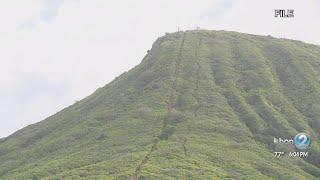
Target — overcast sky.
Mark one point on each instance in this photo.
(55, 52)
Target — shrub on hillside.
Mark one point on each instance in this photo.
(174, 117)
(145, 78)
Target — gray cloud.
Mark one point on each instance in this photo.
(29, 98)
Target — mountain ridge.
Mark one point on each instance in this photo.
(202, 104)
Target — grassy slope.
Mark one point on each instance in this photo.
(202, 104)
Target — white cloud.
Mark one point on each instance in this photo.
(75, 46)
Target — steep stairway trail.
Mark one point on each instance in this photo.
(198, 71)
(169, 107)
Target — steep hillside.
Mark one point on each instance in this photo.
(201, 105)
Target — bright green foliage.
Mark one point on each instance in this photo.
(201, 105)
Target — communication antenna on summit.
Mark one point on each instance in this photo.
(178, 28)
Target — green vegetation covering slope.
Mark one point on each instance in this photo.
(201, 105)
